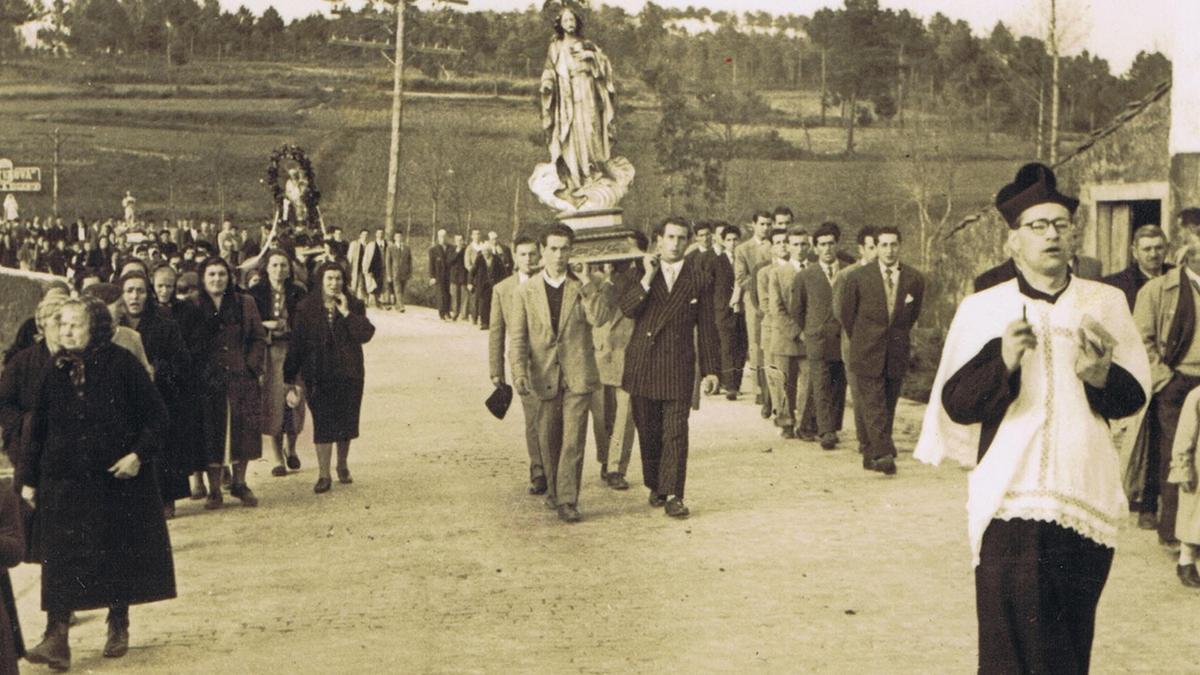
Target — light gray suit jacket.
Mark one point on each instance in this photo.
(553, 363)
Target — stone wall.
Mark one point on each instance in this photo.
(20, 293)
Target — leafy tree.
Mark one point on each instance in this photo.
(1147, 72)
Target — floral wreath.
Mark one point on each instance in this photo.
(311, 196)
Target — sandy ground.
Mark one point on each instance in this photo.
(436, 560)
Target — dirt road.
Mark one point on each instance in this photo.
(435, 560)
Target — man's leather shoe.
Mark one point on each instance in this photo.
(676, 508)
(323, 485)
(568, 513)
(829, 440)
(293, 462)
(731, 396)
(279, 471)
(118, 640)
(786, 432)
(537, 486)
(884, 465)
(1169, 542)
(54, 650)
(657, 501)
(1188, 575)
(617, 482)
(1147, 521)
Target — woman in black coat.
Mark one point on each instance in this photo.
(232, 343)
(326, 349)
(168, 359)
(97, 421)
(12, 550)
(277, 296)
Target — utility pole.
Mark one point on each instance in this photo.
(397, 61)
(397, 113)
(57, 138)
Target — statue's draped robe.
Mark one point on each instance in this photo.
(578, 110)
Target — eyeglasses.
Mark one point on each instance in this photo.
(1040, 225)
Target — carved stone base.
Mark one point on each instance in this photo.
(600, 236)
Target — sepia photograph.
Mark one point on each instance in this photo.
(599, 336)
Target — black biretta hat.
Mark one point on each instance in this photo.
(1034, 184)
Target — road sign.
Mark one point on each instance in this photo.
(19, 178)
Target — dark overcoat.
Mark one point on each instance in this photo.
(329, 355)
(104, 540)
(12, 549)
(233, 346)
(168, 355)
(18, 394)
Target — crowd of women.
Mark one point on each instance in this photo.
(116, 393)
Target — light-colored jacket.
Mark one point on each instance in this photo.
(1153, 313)
(786, 333)
(764, 305)
(611, 339)
(746, 259)
(552, 363)
(504, 302)
(1183, 466)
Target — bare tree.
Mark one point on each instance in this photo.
(928, 178)
(1065, 26)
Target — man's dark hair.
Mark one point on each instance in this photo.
(523, 239)
(641, 240)
(783, 211)
(888, 229)
(777, 231)
(703, 225)
(557, 230)
(727, 228)
(661, 226)
(761, 214)
(864, 232)
(826, 229)
(1189, 217)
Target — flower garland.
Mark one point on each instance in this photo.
(311, 197)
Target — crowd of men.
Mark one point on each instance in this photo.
(775, 298)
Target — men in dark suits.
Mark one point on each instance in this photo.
(439, 272)
(399, 269)
(502, 251)
(488, 272)
(673, 314)
(505, 297)
(731, 323)
(470, 255)
(701, 250)
(879, 305)
(822, 334)
(553, 357)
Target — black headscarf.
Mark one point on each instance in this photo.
(100, 334)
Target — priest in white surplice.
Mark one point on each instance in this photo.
(1031, 373)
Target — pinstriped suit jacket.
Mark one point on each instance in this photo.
(660, 361)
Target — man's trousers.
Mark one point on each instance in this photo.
(562, 434)
(662, 428)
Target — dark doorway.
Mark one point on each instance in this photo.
(1147, 212)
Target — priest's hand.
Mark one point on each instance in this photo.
(1017, 339)
(1093, 361)
(126, 467)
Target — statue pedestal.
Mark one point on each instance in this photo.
(600, 236)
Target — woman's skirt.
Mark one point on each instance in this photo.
(278, 418)
(335, 408)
